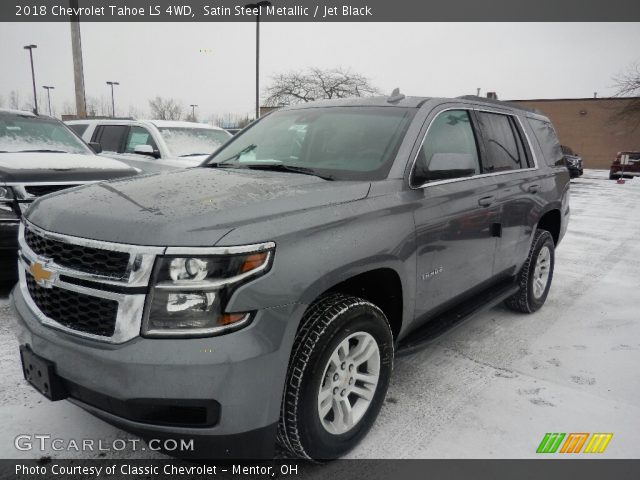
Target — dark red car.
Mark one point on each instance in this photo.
(631, 169)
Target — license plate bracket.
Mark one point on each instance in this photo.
(41, 374)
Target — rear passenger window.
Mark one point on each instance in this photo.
(110, 137)
(503, 146)
(548, 141)
(449, 150)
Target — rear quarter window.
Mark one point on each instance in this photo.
(79, 128)
(548, 140)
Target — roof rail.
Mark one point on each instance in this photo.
(499, 102)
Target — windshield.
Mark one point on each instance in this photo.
(20, 133)
(344, 143)
(183, 142)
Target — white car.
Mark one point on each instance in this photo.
(152, 145)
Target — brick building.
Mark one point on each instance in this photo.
(588, 126)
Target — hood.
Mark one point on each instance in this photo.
(194, 207)
(32, 167)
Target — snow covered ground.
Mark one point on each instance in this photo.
(490, 389)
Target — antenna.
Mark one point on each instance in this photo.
(396, 96)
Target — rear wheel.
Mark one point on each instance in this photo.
(536, 275)
(337, 379)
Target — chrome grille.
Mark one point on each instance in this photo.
(74, 310)
(95, 261)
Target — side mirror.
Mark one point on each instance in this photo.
(95, 146)
(449, 165)
(146, 150)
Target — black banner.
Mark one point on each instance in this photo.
(547, 469)
(319, 11)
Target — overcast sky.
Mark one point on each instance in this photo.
(517, 60)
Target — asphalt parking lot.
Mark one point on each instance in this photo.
(489, 389)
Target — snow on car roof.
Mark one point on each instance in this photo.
(179, 124)
(23, 113)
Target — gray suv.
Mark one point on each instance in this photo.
(263, 296)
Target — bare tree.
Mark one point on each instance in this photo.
(628, 85)
(14, 99)
(314, 84)
(1, 101)
(165, 109)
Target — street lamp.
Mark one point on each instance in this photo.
(33, 76)
(253, 6)
(113, 103)
(193, 112)
(48, 89)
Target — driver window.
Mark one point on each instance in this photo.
(449, 150)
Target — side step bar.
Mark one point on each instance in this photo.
(455, 317)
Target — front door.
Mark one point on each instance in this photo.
(456, 220)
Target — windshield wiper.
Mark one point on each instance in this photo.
(247, 149)
(281, 167)
(45, 150)
(193, 154)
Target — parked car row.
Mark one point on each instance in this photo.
(38, 156)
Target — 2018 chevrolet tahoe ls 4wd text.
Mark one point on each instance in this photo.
(263, 296)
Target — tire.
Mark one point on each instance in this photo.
(531, 296)
(331, 322)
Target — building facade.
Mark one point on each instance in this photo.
(591, 127)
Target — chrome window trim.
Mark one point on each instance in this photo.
(481, 175)
(128, 317)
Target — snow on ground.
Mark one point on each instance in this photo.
(489, 389)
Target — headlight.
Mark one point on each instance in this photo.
(189, 293)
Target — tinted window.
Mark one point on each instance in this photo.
(504, 150)
(138, 136)
(79, 128)
(110, 137)
(548, 141)
(345, 143)
(449, 150)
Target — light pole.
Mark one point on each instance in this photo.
(48, 89)
(33, 77)
(113, 103)
(253, 6)
(193, 112)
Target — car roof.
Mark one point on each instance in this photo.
(415, 102)
(22, 113)
(156, 123)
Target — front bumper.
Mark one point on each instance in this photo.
(243, 372)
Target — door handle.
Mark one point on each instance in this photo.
(533, 188)
(486, 201)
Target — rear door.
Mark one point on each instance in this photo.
(508, 159)
(456, 217)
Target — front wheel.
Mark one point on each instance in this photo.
(535, 276)
(337, 379)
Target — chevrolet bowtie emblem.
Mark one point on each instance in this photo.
(41, 275)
